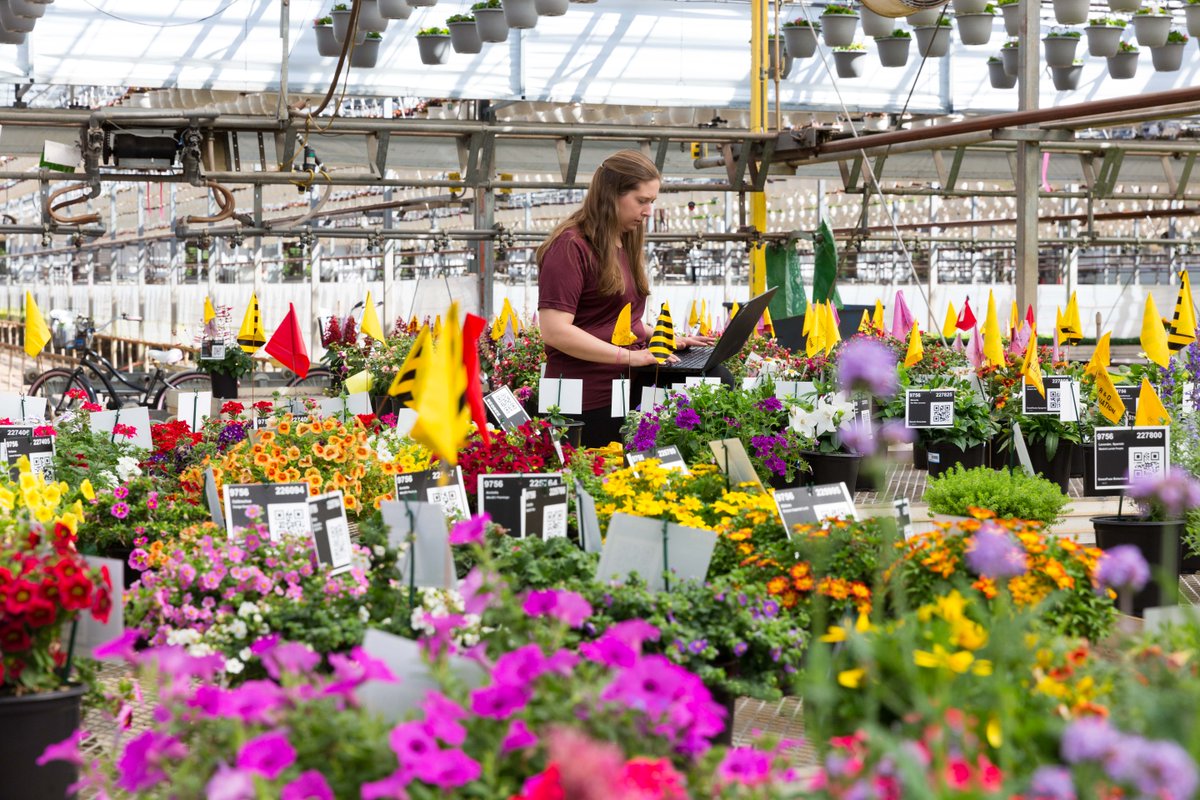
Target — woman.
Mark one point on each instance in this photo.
(590, 267)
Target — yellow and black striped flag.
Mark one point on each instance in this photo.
(662, 341)
(251, 336)
(1183, 325)
(406, 378)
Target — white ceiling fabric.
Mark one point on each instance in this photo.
(644, 52)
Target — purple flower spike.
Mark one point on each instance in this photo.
(1123, 567)
(994, 554)
(865, 364)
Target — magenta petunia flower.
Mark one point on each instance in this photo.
(228, 783)
(470, 531)
(121, 493)
(141, 764)
(518, 737)
(744, 766)
(499, 702)
(268, 755)
(561, 604)
(309, 785)
(120, 510)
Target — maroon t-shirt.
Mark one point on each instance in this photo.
(567, 282)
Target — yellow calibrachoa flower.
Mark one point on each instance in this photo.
(851, 678)
(941, 658)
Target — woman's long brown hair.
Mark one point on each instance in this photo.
(596, 220)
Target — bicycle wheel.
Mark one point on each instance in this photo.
(53, 384)
(317, 378)
(194, 381)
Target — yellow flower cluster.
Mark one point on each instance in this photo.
(965, 637)
(695, 500)
(41, 499)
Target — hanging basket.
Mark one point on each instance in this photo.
(1066, 79)
(464, 37)
(998, 77)
(876, 25)
(1122, 66)
(327, 46)
(1169, 57)
(1103, 40)
(801, 40)
(491, 24)
(849, 63)
(933, 41)
(902, 8)
(551, 8)
(395, 9)
(1012, 19)
(975, 29)
(432, 48)
(893, 50)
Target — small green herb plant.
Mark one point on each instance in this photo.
(1127, 47)
(834, 10)
(341, 7)
(484, 5)
(802, 23)
(434, 31)
(1107, 22)
(1177, 37)
(323, 21)
(1063, 33)
(460, 18)
(896, 34)
(1008, 493)
(374, 35)
(1156, 11)
(1011, 44)
(855, 47)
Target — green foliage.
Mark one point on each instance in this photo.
(899, 33)
(374, 35)
(1006, 492)
(802, 23)
(434, 31)
(236, 363)
(1177, 37)
(855, 47)
(1063, 33)
(1127, 47)
(486, 4)
(460, 18)
(341, 7)
(1156, 11)
(973, 419)
(1011, 44)
(835, 10)
(323, 21)
(1107, 22)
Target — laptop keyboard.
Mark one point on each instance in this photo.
(693, 357)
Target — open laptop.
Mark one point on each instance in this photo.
(700, 360)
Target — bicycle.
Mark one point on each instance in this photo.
(98, 378)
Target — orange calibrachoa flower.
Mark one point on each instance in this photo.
(315, 452)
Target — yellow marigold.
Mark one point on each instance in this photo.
(777, 585)
(740, 535)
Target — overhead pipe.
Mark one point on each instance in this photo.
(931, 134)
(83, 219)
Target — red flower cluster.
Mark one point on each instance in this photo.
(263, 407)
(77, 394)
(340, 332)
(92, 407)
(232, 407)
(121, 429)
(43, 585)
(528, 449)
(166, 436)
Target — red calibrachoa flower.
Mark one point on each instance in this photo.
(232, 407)
(527, 449)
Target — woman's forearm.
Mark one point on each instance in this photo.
(560, 332)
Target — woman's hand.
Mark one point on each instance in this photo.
(644, 358)
(685, 342)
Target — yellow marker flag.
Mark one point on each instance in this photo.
(1014, 319)
(37, 335)
(864, 324)
(993, 348)
(815, 343)
(1150, 410)
(370, 321)
(877, 318)
(359, 382)
(437, 326)
(251, 335)
(768, 326)
(210, 313)
(413, 324)
(1031, 368)
(705, 324)
(812, 316)
(1071, 331)
(1154, 335)
(693, 316)
(1110, 404)
(950, 325)
(406, 379)
(832, 334)
(1100, 359)
(443, 420)
(733, 312)
(662, 341)
(915, 351)
(623, 331)
(704, 312)
(1183, 324)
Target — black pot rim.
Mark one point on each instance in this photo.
(63, 693)
(1132, 521)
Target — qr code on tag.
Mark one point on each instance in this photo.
(288, 519)
(554, 522)
(508, 405)
(941, 413)
(1053, 399)
(43, 464)
(447, 497)
(1145, 462)
(339, 542)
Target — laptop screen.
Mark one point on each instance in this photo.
(740, 329)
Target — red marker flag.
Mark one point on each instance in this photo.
(287, 345)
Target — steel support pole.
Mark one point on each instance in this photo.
(1028, 161)
(758, 124)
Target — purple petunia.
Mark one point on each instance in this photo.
(1123, 567)
(866, 365)
(646, 435)
(267, 755)
(994, 554)
(745, 766)
(769, 404)
(687, 418)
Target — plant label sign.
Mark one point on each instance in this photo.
(1057, 392)
(282, 506)
(589, 522)
(331, 531)
(500, 495)
(134, 422)
(1129, 396)
(651, 547)
(420, 527)
(544, 512)
(564, 393)
(20, 440)
(808, 505)
(212, 350)
(345, 406)
(212, 498)
(22, 408)
(929, 408)
(734, 461)
(1124, 454)
(194, 408)
(668, 457)
(794, 390)
(506, 409)
(440, 485)
(903, 517)
(92, 633)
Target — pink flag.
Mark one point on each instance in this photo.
(958, 343)
(1020, 339)
(975, 349)
(902, 318)
(1055, 355)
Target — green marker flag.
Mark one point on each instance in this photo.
(825, 262)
